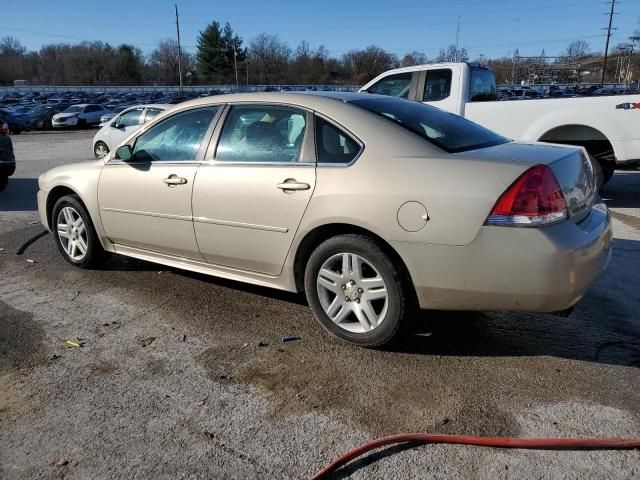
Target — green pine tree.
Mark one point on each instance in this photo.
(211, 58)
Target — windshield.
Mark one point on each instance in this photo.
(445, 130)
(482, 87)
(73, 109)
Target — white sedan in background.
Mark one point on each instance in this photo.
(121, 126)
(80, 115)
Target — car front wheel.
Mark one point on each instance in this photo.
(356, 291)
(74, 233)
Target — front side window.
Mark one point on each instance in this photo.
(393, 85)
(333, 145)
(482, 87)
(177, 138)
(262, 134)
(437, 85)
(151, 112)
(450, 132)
(91, 109)
(130, 118)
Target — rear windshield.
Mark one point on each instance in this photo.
(482, 86)
(446, 130)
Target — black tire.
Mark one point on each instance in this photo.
(95, 254)
(397, 284)
(4, 180)
(608, 169)
(82, 124)
(95, 148)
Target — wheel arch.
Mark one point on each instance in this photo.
(323, 232)
(591, 138)
(54, 195)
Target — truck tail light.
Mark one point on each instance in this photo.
(534, 199)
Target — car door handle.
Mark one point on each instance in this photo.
(173, 180)
(290, 184)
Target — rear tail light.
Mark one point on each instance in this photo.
(534, 199)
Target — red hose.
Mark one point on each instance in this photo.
(501, 442)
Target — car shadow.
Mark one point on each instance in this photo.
(19, 195)
(603, 328)
(623, 190)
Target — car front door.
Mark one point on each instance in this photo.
(145, 203)
(251, 192)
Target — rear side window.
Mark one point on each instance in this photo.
(151, 112)
(334, 145)
(262, 134)
(176, 138)
(437, 85)
(482, 87)
(393, 85)
(446, 130)
(130, 118)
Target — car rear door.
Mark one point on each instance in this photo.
(145, 203)
(252, 190)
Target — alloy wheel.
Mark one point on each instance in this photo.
(72, 233)
(352, 292)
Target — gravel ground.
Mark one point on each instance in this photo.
(185, 376)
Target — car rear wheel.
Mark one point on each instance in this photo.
(74, 233)
(100, 149)
(355, 290)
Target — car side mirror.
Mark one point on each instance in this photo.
(124, 153)
(117, 125)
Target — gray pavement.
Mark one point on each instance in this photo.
(171, 381)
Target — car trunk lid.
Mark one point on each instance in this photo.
(570, 165)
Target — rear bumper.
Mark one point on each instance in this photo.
(521, 269)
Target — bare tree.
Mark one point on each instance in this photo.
(269, 58)
(163, 63)
(576, 51)
(363, 65)
(453, 54)
(413, 58)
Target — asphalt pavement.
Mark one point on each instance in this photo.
(185, 376)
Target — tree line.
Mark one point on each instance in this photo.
(222, 58)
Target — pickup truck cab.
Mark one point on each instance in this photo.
(608, 127)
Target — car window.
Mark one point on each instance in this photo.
(393, 85)
(91, 109)
(151, 112)
(482, 87)
(437, 85)
(176, 138)
(131, 118)
(334, 145)
(262, 133)
(448, 131)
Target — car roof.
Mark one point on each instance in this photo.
(309, 100)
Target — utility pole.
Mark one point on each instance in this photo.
(235, 65)
(458, 40)
(606, 47)
(513, 70)
(179, 49)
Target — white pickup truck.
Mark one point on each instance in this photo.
(608, 127)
